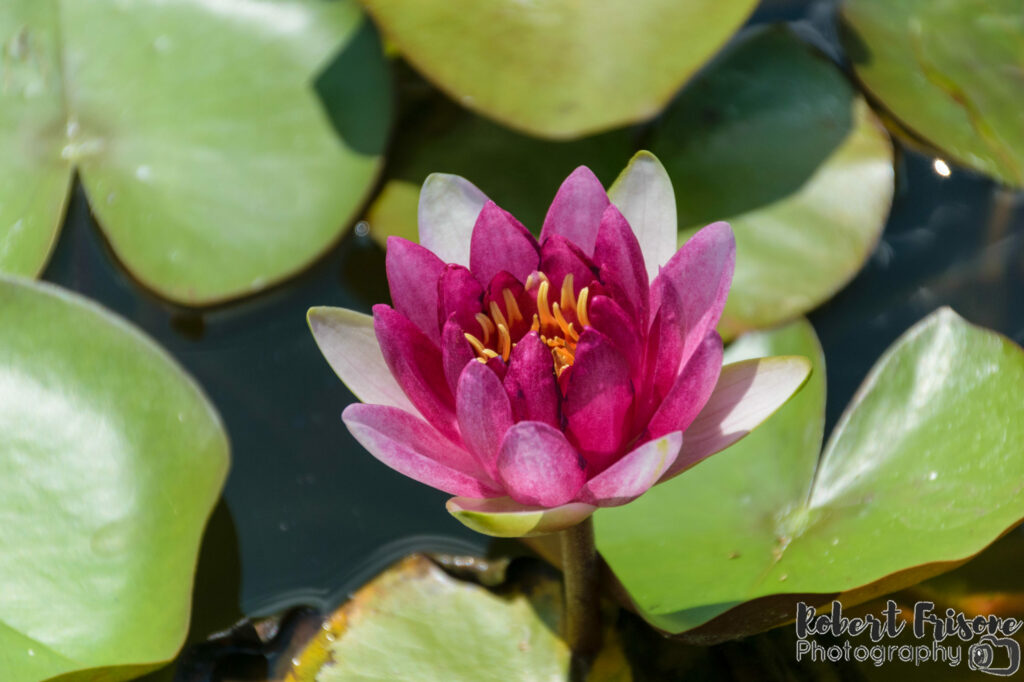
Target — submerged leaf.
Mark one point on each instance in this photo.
(434, 627)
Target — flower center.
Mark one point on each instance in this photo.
(557, 322)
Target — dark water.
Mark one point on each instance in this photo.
(307, 515)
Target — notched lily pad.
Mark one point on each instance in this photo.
(111, 460)
(560, 68)
(772, 138)
(950, 71)
(922, 472)
(415, 621)
(212, 175)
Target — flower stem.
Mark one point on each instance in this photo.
(582, 601)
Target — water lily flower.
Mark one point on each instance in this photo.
(538, 380)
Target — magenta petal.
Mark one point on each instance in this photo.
(664, 353)
(538, 466)
(415, 362)
(700, 273)
(455, 352)
(412, 447)
(621, 262)
(634, 474)
(500, 242)
(560, 257)
(496, 291)
(458, 293)
(598, 399)
(413, 274)
(576, 210)
(530, 382)
(607, 317)
(484, 413)
(691, 390)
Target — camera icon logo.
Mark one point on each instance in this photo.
(981, 655)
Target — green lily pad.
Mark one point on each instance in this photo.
(950, 70)
(772, 138)
(437, 628)
(561, 68)
(213, 174)
(520, 173)
(921, 473)
(111, 460)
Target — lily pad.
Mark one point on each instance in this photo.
(772, 138)
(212, 175)
(560, 68)
(520, 173)
(949, 70)
(434, 627)
(111, 460)
(921, 473)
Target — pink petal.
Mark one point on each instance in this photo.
(530, 382)
(700, 273)
(346, 338)
(412, 447)
(537, 465)
(598, 399)
(576, 210)
(617, 254)
(746, 394)
(607, 317)
(691, 390)
(664, 352)
(634, 474)
(643, 192)
(459, 294)
(559, 257)
(413, 274)
(496, 292)
(484, 413)
(506, 518)
(455, 352)
(415, 362)
(448, 209)
(500, 242)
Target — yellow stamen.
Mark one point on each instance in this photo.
(478, 346)
(531, 279)
(504, 342)
(563, 359)
(568, 302)
(536, 324)
(496, 315)
(511, 307)
(487, 326)
(572, 333)
(560, 318)
(488, 354)
(542, 305)
(581, 307)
